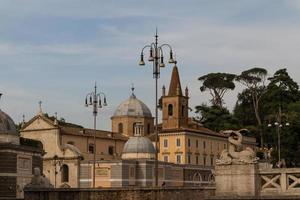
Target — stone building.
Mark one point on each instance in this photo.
(137, 168)
(18, 158)
(182, 139)
(67, 145)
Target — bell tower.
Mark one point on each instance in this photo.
(174, 105)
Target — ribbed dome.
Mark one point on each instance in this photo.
(138, 148)
(7, 125)
(133, 107)
(8, 130)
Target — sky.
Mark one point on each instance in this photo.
(55, 50)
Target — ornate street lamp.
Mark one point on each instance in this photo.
(95, 99)
(279, 125)
(157, 58)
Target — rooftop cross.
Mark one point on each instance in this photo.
(132, 88)
(40, 108)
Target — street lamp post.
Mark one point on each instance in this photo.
(94, 99)
(278, 123)
(157, 58)
(56, 160)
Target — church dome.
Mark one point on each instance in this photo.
(8, 130)
(138, 148)
(132, 107)
(7, 125)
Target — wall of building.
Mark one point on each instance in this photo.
(174, 193)
(141, 173)
(16, 168)
(102, 146)
(52, 166)
(208, 149)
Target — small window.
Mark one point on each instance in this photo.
(138, 129)
(111, 150)
(178, 159)
(165, 143)
(204, 145)
(132, 172)
(70, 142)
(197, 160)
(189, 142)
(148, 129)
(197, 144)
(166, 158)
(64, 173)
(225, 146)
(182, 111)
(178, 142)
(120, 128)
(189, 158)
(204, 160)
(91, 148)
(170, 110)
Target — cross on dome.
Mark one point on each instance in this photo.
(40, 108)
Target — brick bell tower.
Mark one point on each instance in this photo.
(175, 106)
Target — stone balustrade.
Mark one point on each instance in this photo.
(281, 181)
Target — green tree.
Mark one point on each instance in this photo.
(243, 109)
(254, 80)
(281, 91)
(217, 84)
(282, 104)
(217, 118)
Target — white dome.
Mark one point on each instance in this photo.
(132, 107)
(138, 147)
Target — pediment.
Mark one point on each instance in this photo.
(37, 123)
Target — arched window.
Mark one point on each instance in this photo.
(182, 111)
(64, 173)
(170, 110)
(138, 129)
(134, 128)
(120, 128)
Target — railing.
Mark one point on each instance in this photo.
(283, 181)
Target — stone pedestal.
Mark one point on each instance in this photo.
(237, 180)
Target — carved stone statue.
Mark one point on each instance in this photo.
(39, 181)
(234, 154)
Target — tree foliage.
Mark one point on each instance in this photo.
(217, 84)
(254, 80)
(217, 118)
(263, 101)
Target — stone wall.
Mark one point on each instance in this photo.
(170, 193)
